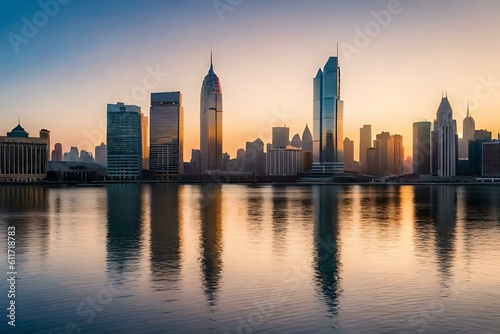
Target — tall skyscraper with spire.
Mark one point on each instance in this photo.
(469, 127)
(328, 116)
(211, 121)
(444, 144)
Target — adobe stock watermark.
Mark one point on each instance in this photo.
(372, 29)
(485, 89)
(87, 310)
(151, 80)
(31, 27)
(223, 6)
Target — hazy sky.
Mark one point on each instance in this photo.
(86, 54)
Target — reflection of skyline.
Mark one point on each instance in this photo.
(123, 241)
(327, 245)
(279, 217)
(16, 202)
(165, 239)
(211, 247)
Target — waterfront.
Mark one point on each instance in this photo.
(165, 258)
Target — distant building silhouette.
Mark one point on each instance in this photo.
(365, 142)
(389, 154)
(422, 147)
(296, 141)
(444, 144)
(349, 155)
(86, 157)
(101, 155)
(328, 116)
(24, 158)
(281, 137)
(167, 134)
(211, 122)
(476, 151)
(482, 135)
(57, 154)
(73, 155)
(124, 141)
(307, 148)
(469, 127)
(255, 158)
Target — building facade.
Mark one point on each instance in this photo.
(57, 154)
(444, 143)
(167, 134)
(211, 122)
(285, 161)
(365, 142)
(24, 158)
(101, 155)
(124, 142)
(280, 137)
(491, 159)
(349, 155)
(422, 147)
(328, 110)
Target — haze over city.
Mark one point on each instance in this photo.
(394, 68)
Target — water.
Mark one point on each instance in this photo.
(254, 259)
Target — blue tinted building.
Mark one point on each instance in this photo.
(124, 142)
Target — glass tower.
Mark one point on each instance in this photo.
(211, 122)
(124, 142)
(328, 109)
(167, 134)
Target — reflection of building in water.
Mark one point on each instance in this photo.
(211, 240)
(165, 233)
(124, 226)
(254, 204)
(26, 208)
(280, 217)
(424, 231)
(326, 248)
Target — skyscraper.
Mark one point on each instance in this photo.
(365, 142)
(167, 134)
(469, 126)
(328, 110)
(444, 142)
(57, 152)
(124, 142)
(349, 155)
(101, 154)
(145, 141)
(422, 147)
(281, 137)
(211, 122)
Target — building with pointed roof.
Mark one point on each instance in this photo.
(444, 144)
(24, 158)
(211, 121)
(328, 110)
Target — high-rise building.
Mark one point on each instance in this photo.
(365, 142)
(482, 135)
(469, 127)
(124, 142)
(389, 154)
(73, 155)
(167, 134)
(101, 155)
(255, 159)
(211, 122)
(349, 155)
(86, 157)
(145, 141)
(444, 141)
(422, 147)
(328, 110)
(284, 161)
(307, 149)
(491, 159)
(24, 158)
(57, 153)
(281, 137)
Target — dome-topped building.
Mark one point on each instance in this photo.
(24, 158)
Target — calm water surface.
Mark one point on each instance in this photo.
(244, 259)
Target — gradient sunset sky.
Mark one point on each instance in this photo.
(266, 52)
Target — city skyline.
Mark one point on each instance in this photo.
(251, 63)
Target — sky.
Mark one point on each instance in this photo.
(63, 61)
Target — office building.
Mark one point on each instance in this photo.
(211, 122)
(296, 141)
(307, 149)
(469, 127)
(284, 161)
(124, 142)
(57, 154)
(24, 158)
(145, 141)
(101, 155)
(422, 147)
(491, 159)
(167, 134)
(328, 109)
(365, 142)
(444, 141)
(349, 155)
(280, 137)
